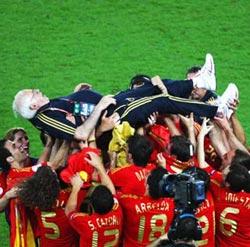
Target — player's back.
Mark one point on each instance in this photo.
(55, 228)
(232, 212)
(145, 219)
(99, 229)
(206, 215)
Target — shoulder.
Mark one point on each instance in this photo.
(119, 169)
(129, 196)
(74, 215)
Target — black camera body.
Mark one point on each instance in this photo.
(187, 191)
(179, 227)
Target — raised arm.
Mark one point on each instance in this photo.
(171, 126)
(45, 155)
(61, 156)
(96, 162)
(232, 139)
(238, 129)
(200, 145)
(189, 124)
(156, 81)
(108, 123)
(217, 138)
(76, 183)
(83, 131)
(55, 148)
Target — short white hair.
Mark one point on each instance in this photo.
(21, 105)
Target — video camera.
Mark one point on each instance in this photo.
(188, 192)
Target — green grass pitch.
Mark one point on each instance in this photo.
(53, 45)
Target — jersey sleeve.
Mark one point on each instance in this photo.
(214, 175)
(55, 124)
(78, 221)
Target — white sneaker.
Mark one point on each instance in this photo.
(205, 78)
(230, 95)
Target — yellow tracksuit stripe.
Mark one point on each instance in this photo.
(56, 124)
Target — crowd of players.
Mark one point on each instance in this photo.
(110, 190)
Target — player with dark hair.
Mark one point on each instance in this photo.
(183, 233)
(102, 200)
(241, 158)
(19, 138)
(21, 219)
(238, 178)
(139, 81)
(102, 224)
(131, 178)
(146, 217)
(5, 194)
(18, 217)
(191, 72)
(202, 94)
(42, 193)
(184, 230)
(41, 190)
(205, 211)
(231, 190)
(140, 149)
(153, 181)
(181, 148)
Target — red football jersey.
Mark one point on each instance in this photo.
(206, 216)
(54, 225)
(16, 176)
(20, 218)
(77, 163)
(98, 230)
(211, 156)
(145, 219)
(232, 212)
(131, 179)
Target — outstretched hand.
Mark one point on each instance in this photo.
(156, 81)
(152, 118)
(161, 161)
(94, 160)
(108, 123)
(188, 121)
(12, 193)
(107, 101)
(205, 128)
(76, 181)
(223, 123)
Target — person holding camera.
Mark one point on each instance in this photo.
(183, 232)
(205, 211)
